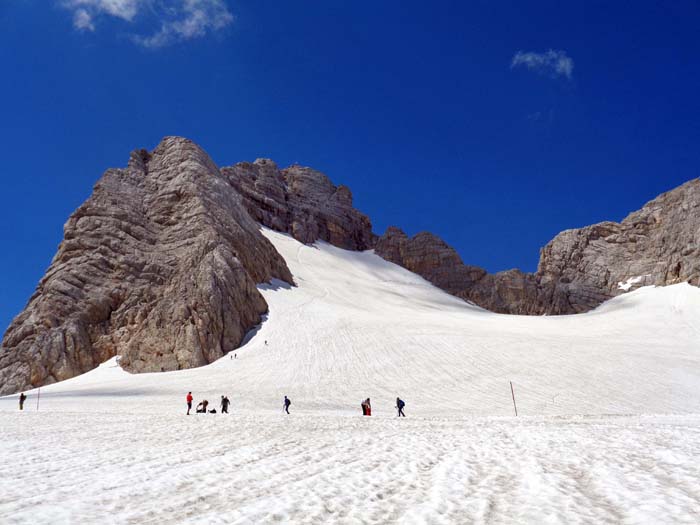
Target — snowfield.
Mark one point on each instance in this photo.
(608, 428)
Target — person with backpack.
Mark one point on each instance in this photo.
(399, 406)
(202, 407)
(224, 404)
(189, 402)
(287, 402)
(22, 399)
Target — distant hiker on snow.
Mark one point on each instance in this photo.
(366, 407)
(287, 402)
(224, 404)
(22, 399)
(399, 406)
(189, 402)
(202, 407)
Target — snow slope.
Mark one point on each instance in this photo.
(357, 326)
(592, 447)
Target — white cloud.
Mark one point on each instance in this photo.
(197, 17)
(176, 20)
(554, 63)
(88, 9)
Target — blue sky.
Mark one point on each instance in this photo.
(452, 117)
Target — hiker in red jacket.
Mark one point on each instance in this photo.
(366, 408)
(189, 402)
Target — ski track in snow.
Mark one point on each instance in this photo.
(611, 432)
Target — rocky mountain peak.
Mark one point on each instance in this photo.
(159, 265)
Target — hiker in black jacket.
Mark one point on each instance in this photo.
(399, 406)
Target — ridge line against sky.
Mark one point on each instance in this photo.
(493, 125)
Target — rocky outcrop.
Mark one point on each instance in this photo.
(436, 261)
(657, 245)
(159, 265)
(578, 269)
(430, 257)
(302, 202)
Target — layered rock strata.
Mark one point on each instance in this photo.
(302, 202)
(159, 265)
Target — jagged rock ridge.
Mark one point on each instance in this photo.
(302, 202)
(579, 268)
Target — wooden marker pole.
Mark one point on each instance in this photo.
(38, 396)
(512, 393)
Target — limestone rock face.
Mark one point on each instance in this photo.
(302, 202)
(430, 257)
(578, 269)
(659, 245)
(508, 292)
(436, 261)
(159, 265)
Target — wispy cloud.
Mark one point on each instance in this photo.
(82, 20)
(555, 63)
(174, 20)
(85, 11)
(198, 17)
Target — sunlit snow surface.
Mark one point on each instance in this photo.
(591, 445)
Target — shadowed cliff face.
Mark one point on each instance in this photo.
(578, 269)
(159, 265)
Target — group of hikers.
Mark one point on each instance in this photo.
(202, 407)
(367, 407)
